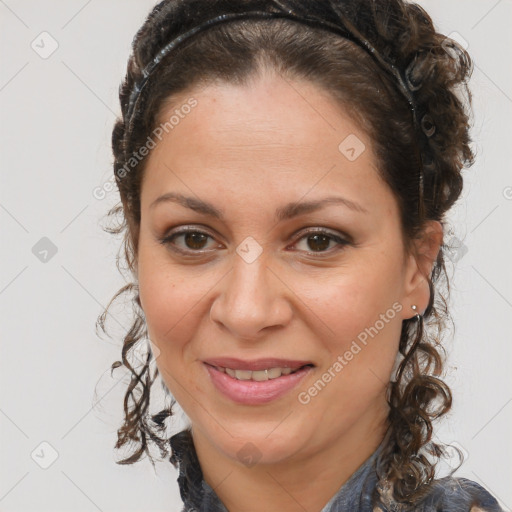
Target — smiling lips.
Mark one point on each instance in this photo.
(258, 376)
(259, 370)
(256, 382)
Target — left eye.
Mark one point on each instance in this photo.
(319, 241)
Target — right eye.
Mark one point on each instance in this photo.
(190, 241)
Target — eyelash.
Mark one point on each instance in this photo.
(341, 242)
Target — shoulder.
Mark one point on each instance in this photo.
(451, 494)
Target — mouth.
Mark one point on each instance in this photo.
(260, 375)
(256, 382)
(258, 369)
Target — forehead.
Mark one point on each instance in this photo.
(270, 110)
(273, 134)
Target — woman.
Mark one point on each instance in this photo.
(285, 168)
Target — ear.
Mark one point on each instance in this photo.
(419, 263)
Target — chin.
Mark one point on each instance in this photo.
(257, 443)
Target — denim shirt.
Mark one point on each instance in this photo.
(448, 494)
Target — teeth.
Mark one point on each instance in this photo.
(273, 373)
(243, 374)
(258, 376)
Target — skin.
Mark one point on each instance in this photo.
(249, 150)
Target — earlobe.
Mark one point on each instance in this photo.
(419, 268)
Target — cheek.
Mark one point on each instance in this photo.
(170, 298)
(351, 303)
(359, 356)
(172, 303)
(362, 319)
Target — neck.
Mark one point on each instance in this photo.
(295, 484)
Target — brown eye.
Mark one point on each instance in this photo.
(321, 242)
(195, 240)
(191, 241)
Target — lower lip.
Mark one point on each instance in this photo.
(253, 392)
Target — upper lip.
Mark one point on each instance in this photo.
(256, 364)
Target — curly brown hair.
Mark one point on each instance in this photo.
(434, 67)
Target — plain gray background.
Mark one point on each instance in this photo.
(56, 119)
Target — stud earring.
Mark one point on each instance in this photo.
(415, 309)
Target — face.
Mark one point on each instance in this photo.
(275, 249)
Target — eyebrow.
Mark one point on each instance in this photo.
(290, 210)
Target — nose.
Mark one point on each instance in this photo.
(252, 300)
